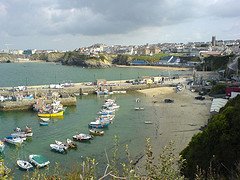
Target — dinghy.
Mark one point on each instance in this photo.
(43, 123)
(82, 137)
(24, 164)
(45, 119)
(58, 148)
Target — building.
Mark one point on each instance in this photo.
(213, 40)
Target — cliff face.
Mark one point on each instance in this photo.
(78, 59)
(50, 57)
(71, 58)
(6, 58)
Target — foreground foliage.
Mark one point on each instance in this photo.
(166, 166)
(216, 149)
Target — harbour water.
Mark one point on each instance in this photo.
(20, 74)
(128, 124)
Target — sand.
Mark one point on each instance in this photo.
(177, 121)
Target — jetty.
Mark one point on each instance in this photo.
(67, 94)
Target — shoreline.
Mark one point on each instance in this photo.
(177, 122)
(157, 67)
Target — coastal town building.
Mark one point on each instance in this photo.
(191, 49)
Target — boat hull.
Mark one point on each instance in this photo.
(38, 160)
(25, 165)
(98, 126)
(59, 114)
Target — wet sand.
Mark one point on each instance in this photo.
(177, 121)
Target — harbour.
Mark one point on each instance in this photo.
(126, 126)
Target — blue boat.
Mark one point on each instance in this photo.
(43, 123)
(98, 125)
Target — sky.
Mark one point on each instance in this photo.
(70, 24)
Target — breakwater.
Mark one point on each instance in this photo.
(67, 95)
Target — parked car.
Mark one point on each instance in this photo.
(200, 98)
(168, 100)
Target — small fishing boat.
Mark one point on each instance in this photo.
(23, 133)
(2, 146)
(14, 140)
(57, 114)
(38, 160)
(138, 108)
(96, 132)
(148, 122)
(71, 144)
(98, 125)
(60, 143)
(43, 123)
(24, 164)
(45, 119)
(82, 137)
(58, 148)
(106, 112)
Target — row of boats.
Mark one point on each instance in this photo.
(105, 117)
(17, 137)
(34, 160)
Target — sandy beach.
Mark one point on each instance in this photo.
(177, 121)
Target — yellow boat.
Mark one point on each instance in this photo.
(58, 114)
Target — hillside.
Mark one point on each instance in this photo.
(6, 58)
(74, 58)
(216, 149)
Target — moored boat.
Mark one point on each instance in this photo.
(148, 122)
(45, 119)
(60, 143)
(82, 137)
(96, 132)
(2, 146)
(24, 164)
(43, 123)
(97, 125)
(138, 108)
(71, 144)
(57, 114)
(14, 140)
(38, 160)
(23, 133)
(58, 148)
(106, 112)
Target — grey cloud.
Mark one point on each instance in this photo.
(101, 17)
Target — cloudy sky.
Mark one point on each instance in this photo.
(69, 24)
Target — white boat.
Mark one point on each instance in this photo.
(106, 112)
(14, 140)
(110, 100)
(148, 122)
(106, 117)
(60, 143)
(82, 137)
(58, 148)
(96, 132)
(139, 108)
(24, 164)
(45, 119)
(23, 133)
(2, 146)
(38, 160)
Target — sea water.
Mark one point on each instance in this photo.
(128, 125)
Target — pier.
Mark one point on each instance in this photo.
(67, 95)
